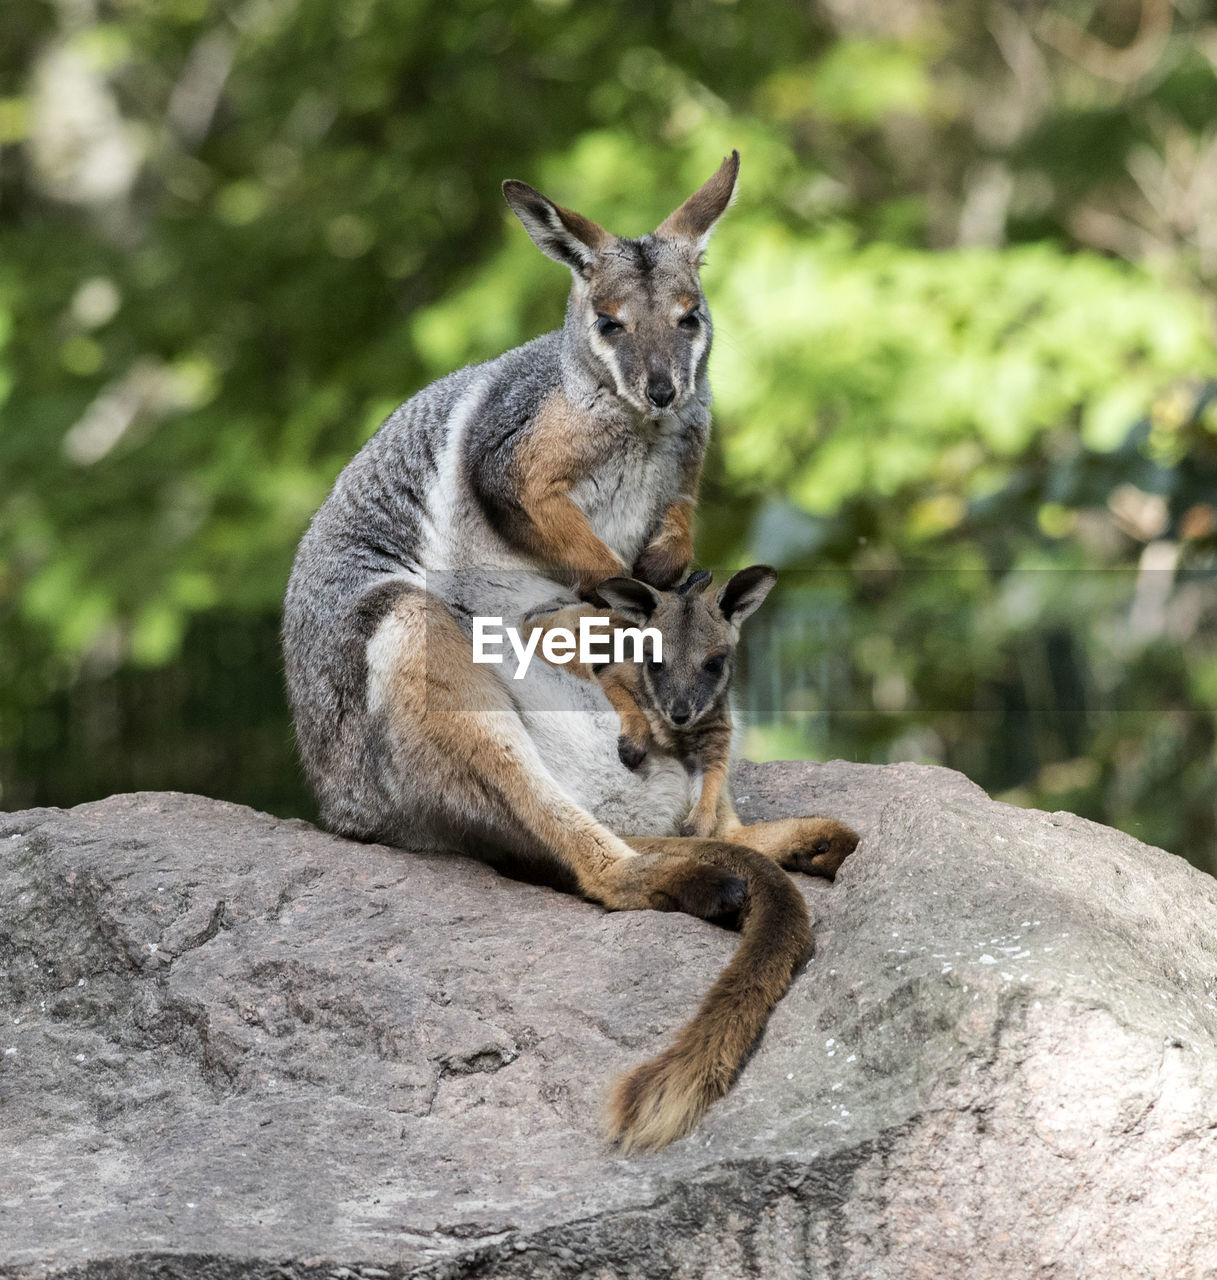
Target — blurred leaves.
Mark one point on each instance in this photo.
(964, 344)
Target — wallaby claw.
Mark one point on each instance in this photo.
(630, 752)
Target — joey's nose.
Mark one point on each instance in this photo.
(680, 713)
(660, 392)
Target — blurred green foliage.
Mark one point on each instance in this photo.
(963, 352)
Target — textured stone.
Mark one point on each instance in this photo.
(234, 1046)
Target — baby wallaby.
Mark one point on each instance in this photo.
(681, 702)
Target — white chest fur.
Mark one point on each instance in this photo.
(625, 494)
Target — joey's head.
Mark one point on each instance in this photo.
(700, 636)
(636, 322)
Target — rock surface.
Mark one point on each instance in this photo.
(235, 1046)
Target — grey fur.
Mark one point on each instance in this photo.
(430, 504)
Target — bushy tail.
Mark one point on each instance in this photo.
(662, 1099)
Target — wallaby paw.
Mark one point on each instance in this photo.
(700, 889)
(820, 846)
(631, 752)
(663, 881)
(663, 565)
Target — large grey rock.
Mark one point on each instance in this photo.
(236, 1046)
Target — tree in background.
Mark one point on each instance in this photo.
(962, 366)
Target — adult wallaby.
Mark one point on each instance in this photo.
(566, 461)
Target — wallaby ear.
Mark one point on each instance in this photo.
(562, 234)
(695, 583)
(693, 222)
(629, 597)
(743, 594)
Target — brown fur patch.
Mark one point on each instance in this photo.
(704, 207)
(582, 228)
(550, 461)
(714, 753)
(665, 558)
(462, 730)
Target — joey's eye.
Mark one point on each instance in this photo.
(713, 666)
(653, 663)
(691, 320)
(607, 325)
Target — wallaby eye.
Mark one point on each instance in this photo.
(653, 663)
(713, 666)
(691, 320)
(607, 325)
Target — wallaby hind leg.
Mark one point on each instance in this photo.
(453, 723)
(704, 819)
(815, 846)
(726, 820)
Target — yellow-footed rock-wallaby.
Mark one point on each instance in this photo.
(677, 695)
(571, 459)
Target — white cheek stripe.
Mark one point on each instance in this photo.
(605, 352)
(697, 350)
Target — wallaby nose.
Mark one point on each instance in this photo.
(680, 713)
(660, 392)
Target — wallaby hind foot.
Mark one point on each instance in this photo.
(814, 846)
(665, 878)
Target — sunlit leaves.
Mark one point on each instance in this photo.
(300, 224)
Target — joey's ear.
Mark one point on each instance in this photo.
(695, 583)
(561, 234)
(693, 222)
(629, 597)
(744, 594)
